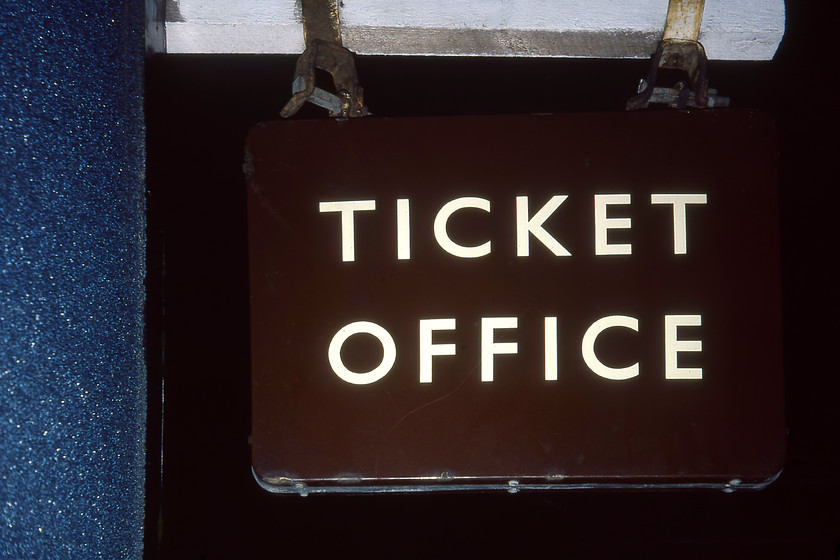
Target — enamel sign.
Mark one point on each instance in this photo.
(515, 302)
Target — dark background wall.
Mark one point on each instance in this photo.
(199, 109)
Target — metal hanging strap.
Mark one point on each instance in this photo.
(683, 20)
(679, 49)
(322, 35)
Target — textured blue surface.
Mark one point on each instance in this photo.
(72, 374)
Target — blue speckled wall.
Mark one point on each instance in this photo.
(72, 374)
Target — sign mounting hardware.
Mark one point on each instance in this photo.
(679, 50)
(324, 51)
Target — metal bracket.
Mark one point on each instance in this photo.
(324, 51)
(679, 49)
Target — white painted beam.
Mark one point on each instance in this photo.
(731, 29)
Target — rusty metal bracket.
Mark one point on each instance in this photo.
(324, 51)
(680, 50)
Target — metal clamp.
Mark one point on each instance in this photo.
(679, 49)
(324, 51)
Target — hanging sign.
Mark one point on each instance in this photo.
(515, 302)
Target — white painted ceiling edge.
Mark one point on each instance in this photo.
(731, 29)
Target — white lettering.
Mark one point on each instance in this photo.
(674, 346)
(489, 347)
(443, 237)
(429, 349)
(551, 348)
(403, 230)
(603, 224)
(389, 353)
(347, 209)
(533, 226)
(680, 228)
(588, 347)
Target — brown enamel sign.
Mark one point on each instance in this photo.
(515, 302)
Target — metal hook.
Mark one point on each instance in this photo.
(324, 51)
(679, 49)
